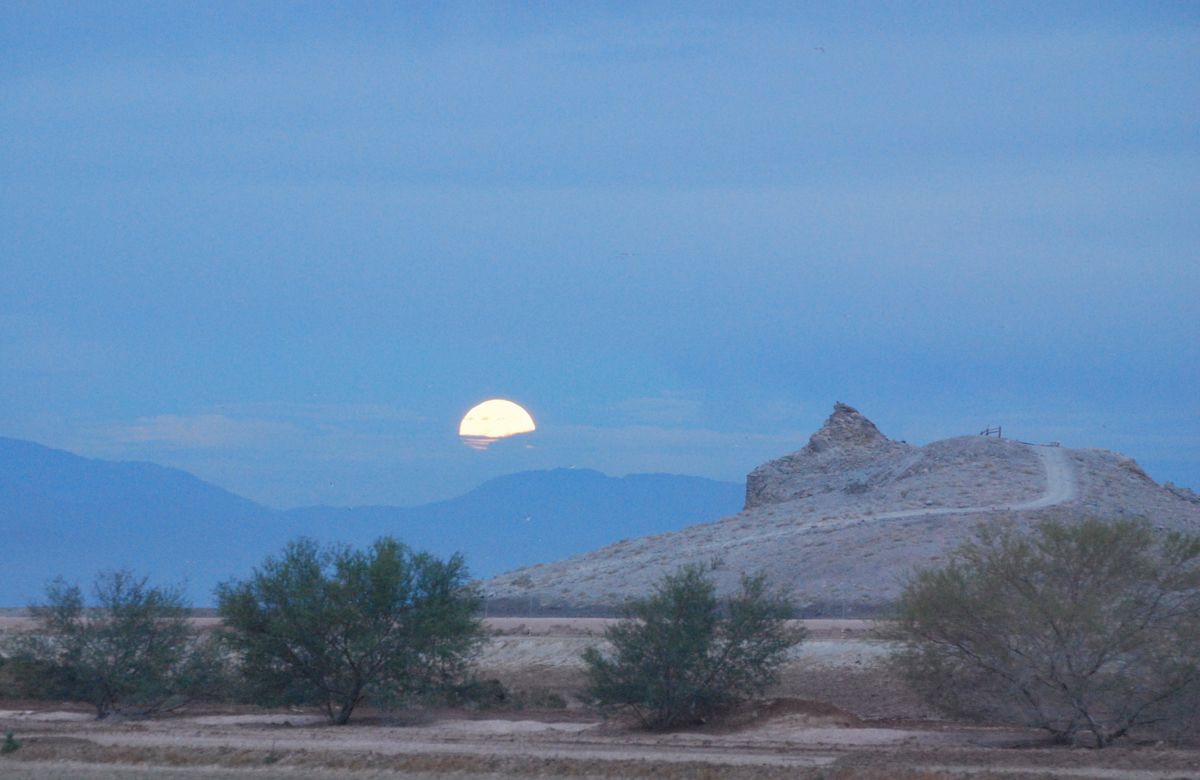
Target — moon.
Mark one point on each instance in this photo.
(494, 419)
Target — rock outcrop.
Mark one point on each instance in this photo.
(842, 455)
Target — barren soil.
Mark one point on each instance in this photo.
(836, 714)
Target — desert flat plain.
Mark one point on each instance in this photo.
(836, 713)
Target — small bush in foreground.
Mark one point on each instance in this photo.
(132, 651)
(680, 655)
(1080, 629)
(11, 744)
(335, 626)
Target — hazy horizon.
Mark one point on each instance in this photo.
(286, 248)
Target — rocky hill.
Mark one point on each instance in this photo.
(843, 520)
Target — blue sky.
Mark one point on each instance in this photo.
(287, 246)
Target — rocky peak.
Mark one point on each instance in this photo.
(845, 428)
(846, 454)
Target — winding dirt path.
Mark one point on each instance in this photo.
(1061, 487)
(1061, 484)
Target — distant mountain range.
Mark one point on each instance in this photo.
(64, 514)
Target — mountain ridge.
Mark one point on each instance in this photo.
(68, 514)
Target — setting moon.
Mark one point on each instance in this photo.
(492, 420)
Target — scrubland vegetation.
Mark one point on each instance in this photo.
(334, 627)
(1089, 632)
(680, 656)
(323, 627)
(132, 651)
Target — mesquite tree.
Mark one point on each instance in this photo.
(680, 654)
(130, 649)
(1082, 629)
(336, 626)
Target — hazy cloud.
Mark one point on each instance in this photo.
(662, 410)
(205, 431)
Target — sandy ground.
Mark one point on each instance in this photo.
(836, 714)
(786, 738)
(795, 740)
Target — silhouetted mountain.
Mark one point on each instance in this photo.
(64, 514)
(533, 516)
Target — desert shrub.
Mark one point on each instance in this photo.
(131, 651)
(477, 694)
(336, 626)
(1087, 630)
(24, 676)
(680, 655)
(11, 744)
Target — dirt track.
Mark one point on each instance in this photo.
(546, 744)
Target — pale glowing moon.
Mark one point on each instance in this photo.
(492, 420)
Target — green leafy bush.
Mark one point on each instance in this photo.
(131, 651)
(1089, 629)
(680, 655)
(336, 626)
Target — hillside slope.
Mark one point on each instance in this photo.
(842, 521)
